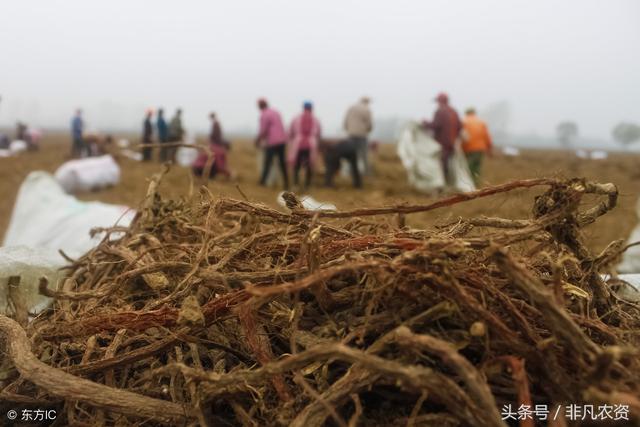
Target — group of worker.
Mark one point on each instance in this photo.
(89, 144)
(85, 143)
(303, 141)
(170, 135)
(299, 147)
(26, 137)
(448, 129)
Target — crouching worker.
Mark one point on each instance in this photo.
(335, 151)
(304, 135)
(219, 148)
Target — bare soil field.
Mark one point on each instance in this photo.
(388, 186)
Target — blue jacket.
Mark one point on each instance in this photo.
(76, 127)
(163, 129)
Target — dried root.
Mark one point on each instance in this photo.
(229, 312)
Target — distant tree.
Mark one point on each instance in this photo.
(626, 133)
(566, 132)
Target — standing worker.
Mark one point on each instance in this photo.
(358, 123)
(21, 131)
(147, 133)
(274, 140)
(476, 142)
(163, 134)
(304, 137)
(446, 127)
(176, 133)
(78, 148)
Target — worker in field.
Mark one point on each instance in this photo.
(273, 140)
(358, 123)
(97, 144)
(219, 148)
(176, 133)
(26, 134)
(446, 127)
(334, 152)
(476, 142)
(163, 134)
(78, 148)
(147, 136)
(33, 137)
(77, 130)
(304, 138)
(21, 131)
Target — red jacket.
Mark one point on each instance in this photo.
(446, 127)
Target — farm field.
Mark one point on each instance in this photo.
(387, 187)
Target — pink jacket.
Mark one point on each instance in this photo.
(219, 152)
(271, 127)
(297, 137)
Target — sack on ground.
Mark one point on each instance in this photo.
(462, 180)
(90, 174)
(186, 156)
(44, 217)
(420, 156)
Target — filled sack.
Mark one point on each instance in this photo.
(89, 174)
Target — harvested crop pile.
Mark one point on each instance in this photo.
(226, 312)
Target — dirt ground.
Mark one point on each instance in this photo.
(388, 186)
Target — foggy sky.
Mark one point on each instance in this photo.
(547, 61)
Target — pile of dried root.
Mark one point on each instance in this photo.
(226, 312)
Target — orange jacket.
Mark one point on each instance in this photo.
(477, 134)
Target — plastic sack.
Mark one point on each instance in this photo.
(44, 217)
(30, 265)
(511, 151)
(88, 174)
(593, 155)
(186, 156)
(582, 154)
(133, 155)
(626, 286)
(631, 258)
(599, 155)
(462, 180)
(420, 156)
(18, 146)
(309, 203)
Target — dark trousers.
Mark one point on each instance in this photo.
(164, 151)
(446, 157)
(474, 160)
(348, 150)
(79, 148)
(168, 154)
(362, 149)
(303, 159)
(147, 152)
(269, 152)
